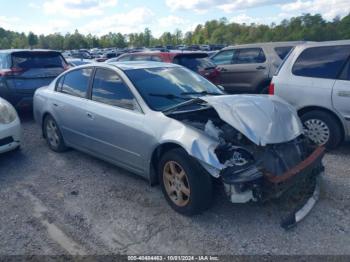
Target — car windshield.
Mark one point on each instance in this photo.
(166, 87)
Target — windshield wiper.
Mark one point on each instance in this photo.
(170, 96)
(201, 93)
(173, 108)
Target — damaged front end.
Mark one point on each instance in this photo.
(261, 151)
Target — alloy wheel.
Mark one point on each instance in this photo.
(317, 131)
(52, 133)
(176, 183)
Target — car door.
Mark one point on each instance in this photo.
(116, 122)
(69, 106)
(249, 68)
(341, 93)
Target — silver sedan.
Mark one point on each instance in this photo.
(173, 127)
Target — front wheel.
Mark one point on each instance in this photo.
(53, 135)
(185, 184)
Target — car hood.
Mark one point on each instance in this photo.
(263, 119)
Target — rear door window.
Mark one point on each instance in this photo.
(156, 58)
(194, 63)
(282, 51)
(76, 82)
(28, 60)
(142, 58)
(249, 56)
(224, 57)
(108, 88)
(321, 62)
(125, 58)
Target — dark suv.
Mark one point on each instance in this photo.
(23, 71)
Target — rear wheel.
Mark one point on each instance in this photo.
(322, 128)
(185, 184)
(53, 135)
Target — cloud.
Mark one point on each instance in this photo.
(245, 19)
(9, 23)
(227, 6)
(77, 8)
(51, 26)
(129, 22)
(327, 8)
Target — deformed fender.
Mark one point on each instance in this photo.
(196, 143)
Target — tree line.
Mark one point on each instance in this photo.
(306, 27)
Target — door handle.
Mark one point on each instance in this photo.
(89, 115)
(221, 69)
(55, 104)
(344, 93)
(261, 67)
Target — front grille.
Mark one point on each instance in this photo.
(6, 140)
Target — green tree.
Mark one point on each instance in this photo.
(32, 39)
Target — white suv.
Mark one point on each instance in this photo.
(315, 78)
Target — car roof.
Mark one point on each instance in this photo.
(265, 44)
(9, 51)
(131, 65)
(327, 43)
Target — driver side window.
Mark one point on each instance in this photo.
(108, 88)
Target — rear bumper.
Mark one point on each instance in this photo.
(10, 136)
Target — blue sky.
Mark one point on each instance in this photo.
(99, 17)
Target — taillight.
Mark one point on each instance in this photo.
(11, 71)
(271, 89)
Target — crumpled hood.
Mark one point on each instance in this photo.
(263, 119)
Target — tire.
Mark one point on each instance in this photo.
(53, 135)
(322, 121)
(195, 185)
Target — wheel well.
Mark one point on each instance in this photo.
(317, 108)
(156, 155)
(42, 123)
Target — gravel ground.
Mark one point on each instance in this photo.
(72, 203)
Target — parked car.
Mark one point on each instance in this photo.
(196, 61)
(78, 62)
(67, 54)
(205, 47)
(10, 127)
(172, 126)
(23, 71)
(82, 54)
(249, 68)
(216, 47)
(315, 78)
